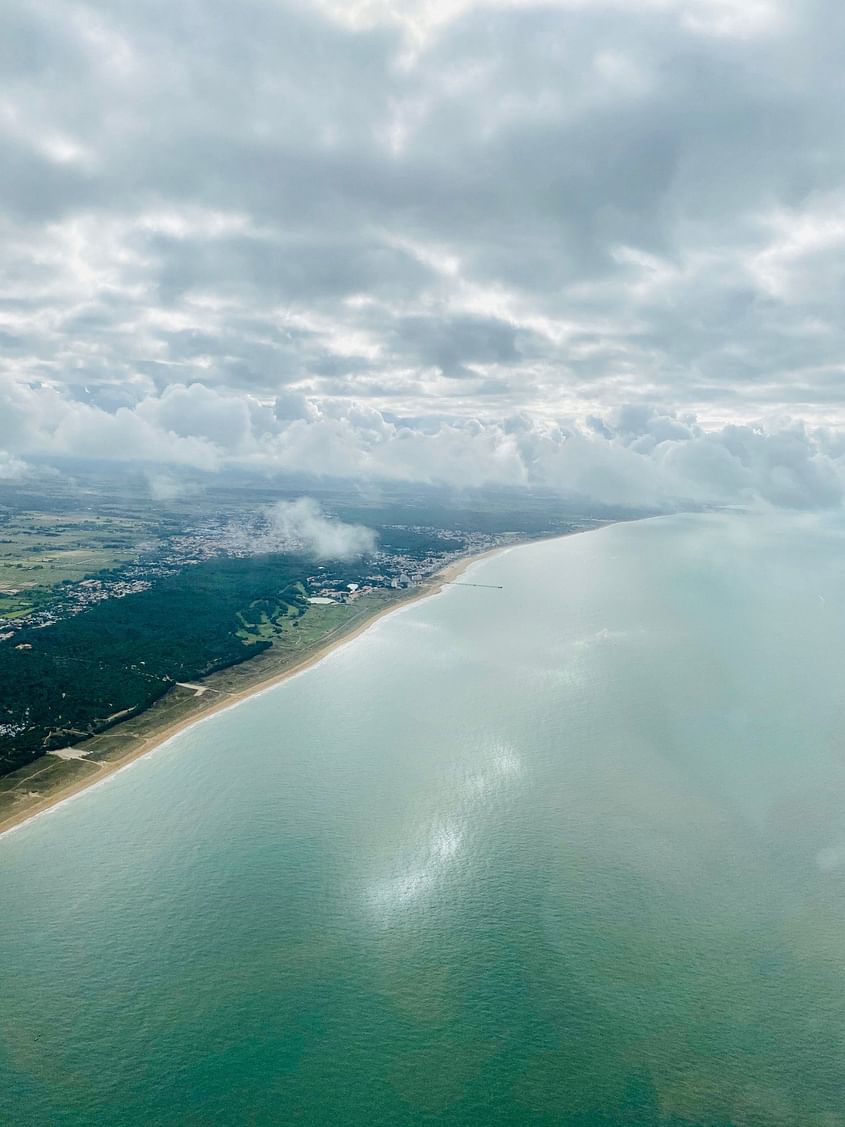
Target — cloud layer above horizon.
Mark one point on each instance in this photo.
(590, 244)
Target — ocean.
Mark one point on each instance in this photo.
(571, 852)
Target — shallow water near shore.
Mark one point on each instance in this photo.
(569, 852)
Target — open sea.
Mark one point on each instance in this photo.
(567, 853)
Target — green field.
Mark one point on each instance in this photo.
(39, 550)
(292, 627)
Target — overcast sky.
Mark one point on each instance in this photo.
(596, 245)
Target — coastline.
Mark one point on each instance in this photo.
(108, 769)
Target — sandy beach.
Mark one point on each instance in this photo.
(106, 770)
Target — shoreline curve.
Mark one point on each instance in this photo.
(433, 586)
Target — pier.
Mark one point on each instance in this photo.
(459, 583)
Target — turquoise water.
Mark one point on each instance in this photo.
(568, 853)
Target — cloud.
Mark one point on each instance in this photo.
(12, 468)
(166, 487)
(369, 236)
(302, 525)
(637, 455)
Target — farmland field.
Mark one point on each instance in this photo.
(39, 550)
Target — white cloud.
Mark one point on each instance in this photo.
(429, 240)
(12, 468)
(166, 486)
(421, 22)
(302, 525)
(636, 455)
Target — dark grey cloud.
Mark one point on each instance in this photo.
(452, 343)
(391, 239)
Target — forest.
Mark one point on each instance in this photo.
(82, 674)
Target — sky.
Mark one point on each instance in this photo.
(589, 245)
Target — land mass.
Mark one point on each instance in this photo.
(109, 646)
(123, 617)
(57, 776)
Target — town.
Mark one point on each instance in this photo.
(337, 581)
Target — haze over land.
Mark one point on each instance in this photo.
(594, 246)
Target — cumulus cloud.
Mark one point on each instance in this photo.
(637, 455)
(400, 240)
(12, 468)
(302, 525)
